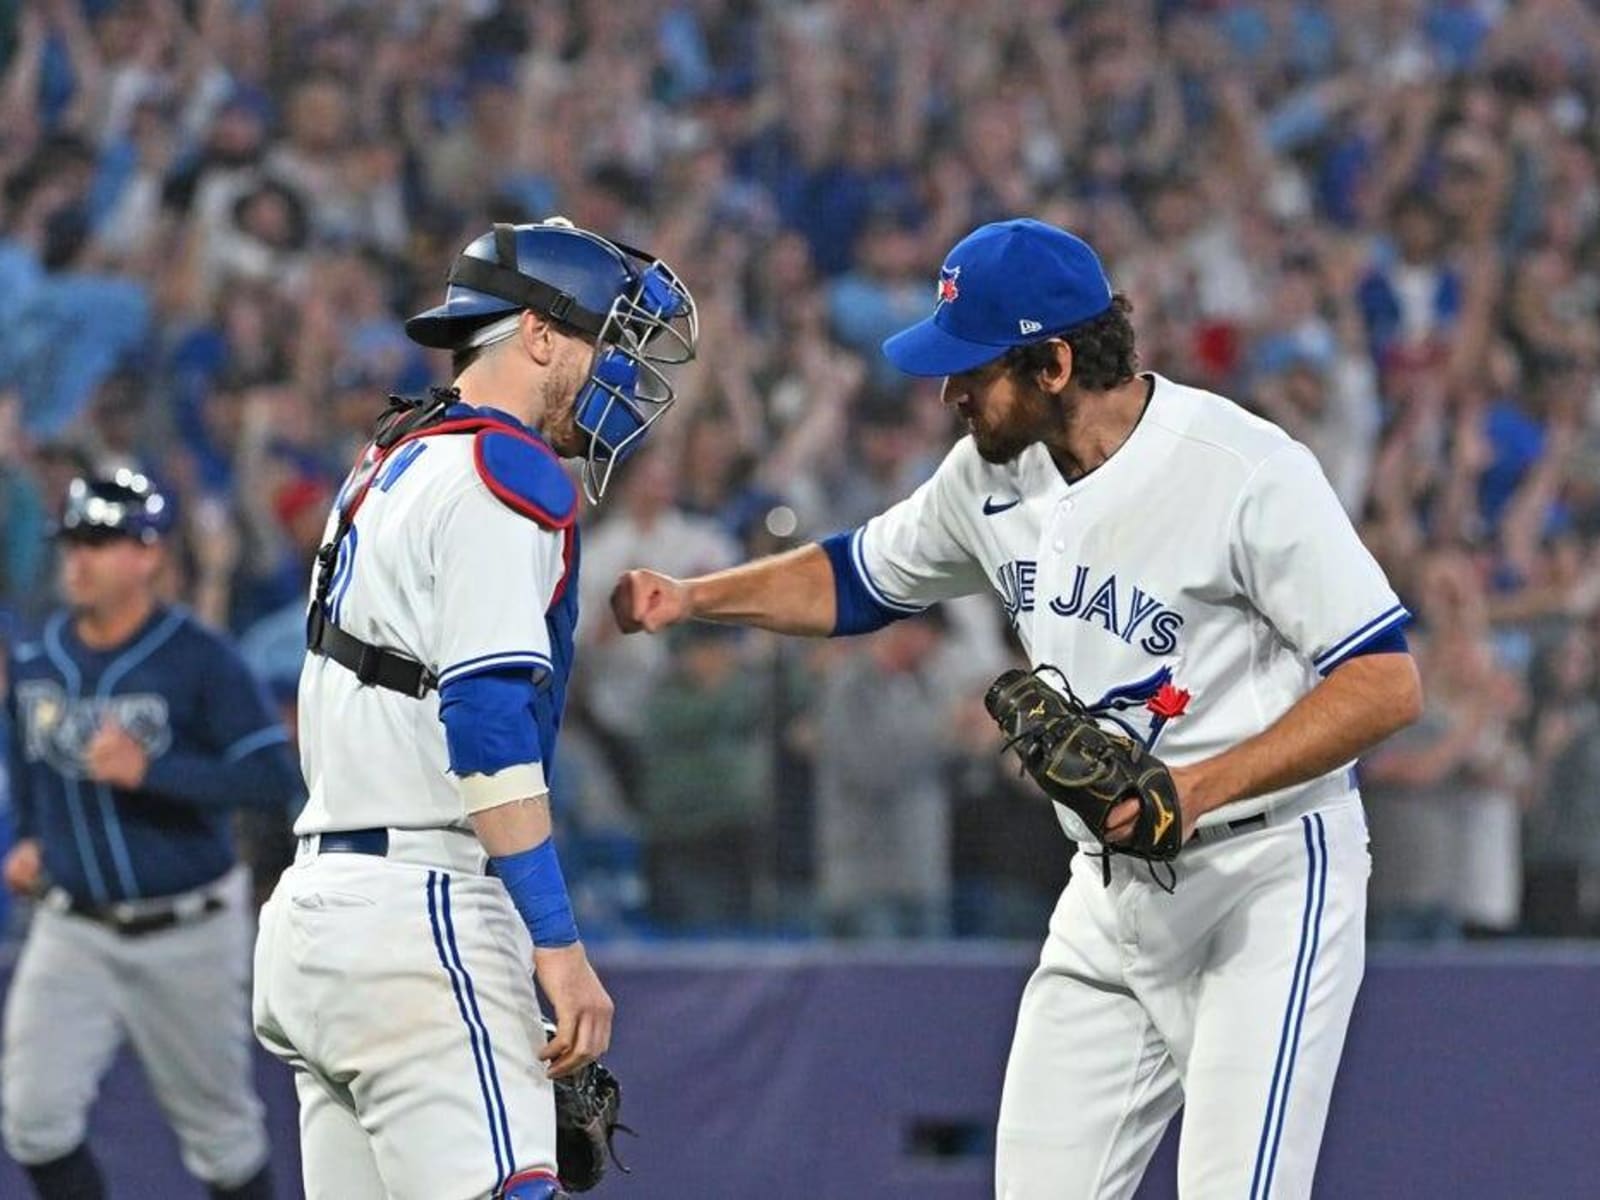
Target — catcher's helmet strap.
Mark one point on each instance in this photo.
(505, 245)
(525, 292)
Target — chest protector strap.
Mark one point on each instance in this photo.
(405, 420)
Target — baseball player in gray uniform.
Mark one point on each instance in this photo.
(1188, 567)
(135, 733)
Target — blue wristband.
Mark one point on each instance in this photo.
(533, 877)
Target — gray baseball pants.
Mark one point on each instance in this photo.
(180, 996)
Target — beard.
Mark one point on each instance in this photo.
(563, 434)
(559, 402)
(1033, 417)
(998, 446)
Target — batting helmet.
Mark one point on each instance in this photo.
(123, 505)
(637, 311)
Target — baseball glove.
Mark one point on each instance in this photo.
(588, 1104)
(1085, 767)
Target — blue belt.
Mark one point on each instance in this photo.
(361, 841)
(355, 841)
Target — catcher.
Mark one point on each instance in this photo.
(392, 960)
(1192, 570)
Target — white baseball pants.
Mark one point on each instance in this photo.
(1229, 997)
(402, 996)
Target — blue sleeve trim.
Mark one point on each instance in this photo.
(1389, 641)
(1386, 638)
(1340, 649)
(859, 559)
(536, 663)
(273, 735)
(856, 608)
(488, 721)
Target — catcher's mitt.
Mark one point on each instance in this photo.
(1085, 767)
(588, 1104)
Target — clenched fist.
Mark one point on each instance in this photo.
(114, 757)
(24, 867)
(649, 601)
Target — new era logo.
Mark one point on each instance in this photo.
(1028, 326)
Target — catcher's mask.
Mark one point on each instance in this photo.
(635, 308)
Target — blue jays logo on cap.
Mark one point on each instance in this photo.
(1020, 281)
(948, 290)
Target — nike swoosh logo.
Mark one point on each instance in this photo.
(990, 508)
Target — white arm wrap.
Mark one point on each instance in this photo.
(521, 782)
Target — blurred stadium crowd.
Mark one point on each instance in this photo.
(1374, 221)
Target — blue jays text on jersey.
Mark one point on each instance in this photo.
(207, 729)
(1124, 610)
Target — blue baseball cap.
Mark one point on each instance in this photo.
(1005, 284)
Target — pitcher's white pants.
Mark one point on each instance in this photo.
(1229, 997)
(402, 997)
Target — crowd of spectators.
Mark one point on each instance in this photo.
(1374, 221)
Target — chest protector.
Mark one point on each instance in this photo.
(524, 474)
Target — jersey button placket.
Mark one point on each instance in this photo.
(1052, 541)
(1058, 524)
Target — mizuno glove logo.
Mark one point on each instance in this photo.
(1163, 820)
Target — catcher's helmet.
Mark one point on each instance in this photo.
(639, 314)
(123, 505)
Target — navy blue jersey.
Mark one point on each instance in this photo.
(212, 737)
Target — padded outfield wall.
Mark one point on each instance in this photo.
(793, 1073)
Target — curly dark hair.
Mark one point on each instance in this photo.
(1103, 351)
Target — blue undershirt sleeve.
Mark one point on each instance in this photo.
(488, 721)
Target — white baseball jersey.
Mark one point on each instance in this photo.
(1208, 555)
(438, 569)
